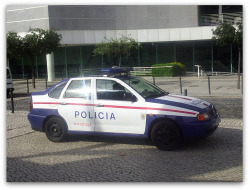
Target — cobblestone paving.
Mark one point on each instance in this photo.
(228, 107)
(31, 157)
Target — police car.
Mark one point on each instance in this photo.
(119, 104)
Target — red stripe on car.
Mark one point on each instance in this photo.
(122, 107)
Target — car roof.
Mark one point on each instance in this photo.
(103, 76)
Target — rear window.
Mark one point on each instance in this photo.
(55, 92)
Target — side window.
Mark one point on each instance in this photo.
(55, 92)
(111, 90)
(79, 89)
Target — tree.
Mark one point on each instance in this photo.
(226, 34)
(36, 42)
(115, 48)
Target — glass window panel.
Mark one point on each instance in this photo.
(55, 93)
(79, 89)
(111, 90)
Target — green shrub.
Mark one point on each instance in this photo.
(177, 69)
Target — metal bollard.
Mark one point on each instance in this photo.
(154, 80)
(209, 89)
(46, 83)
(28, 91)
(12, 100)
(180, 85)
(242, 84)
(185, 92)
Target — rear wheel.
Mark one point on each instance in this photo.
(165, 135)
(55, 130)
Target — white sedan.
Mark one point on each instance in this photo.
(119, 104)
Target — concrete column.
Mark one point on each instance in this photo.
(50, 67)
(220, 13)
(212, 57)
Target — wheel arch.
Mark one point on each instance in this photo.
(53, 116)
(163, 119)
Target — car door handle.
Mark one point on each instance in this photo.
(63, 103)
(99, 105)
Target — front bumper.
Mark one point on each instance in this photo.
(200, 129)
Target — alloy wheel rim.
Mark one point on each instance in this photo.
(55, 130)
(164, 135)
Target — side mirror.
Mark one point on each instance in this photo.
(133, 98)
(129, 97)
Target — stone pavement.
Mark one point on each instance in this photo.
(198, 86)
(17, 124)
(31, 157)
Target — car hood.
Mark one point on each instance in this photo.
(179, 103)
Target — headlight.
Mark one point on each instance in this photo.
(207, 115)
(203, 117)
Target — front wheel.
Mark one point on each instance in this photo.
(55, 130)
(165, 135)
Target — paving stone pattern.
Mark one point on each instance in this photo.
(31, 157)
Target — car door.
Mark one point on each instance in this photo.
(117, 108)
(76, 105)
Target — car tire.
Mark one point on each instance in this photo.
(166, 135)
(55, 130)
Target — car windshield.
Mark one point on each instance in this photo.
(145, 88)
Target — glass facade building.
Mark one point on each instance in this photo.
(174, 33)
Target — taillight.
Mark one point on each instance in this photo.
(31, 104)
